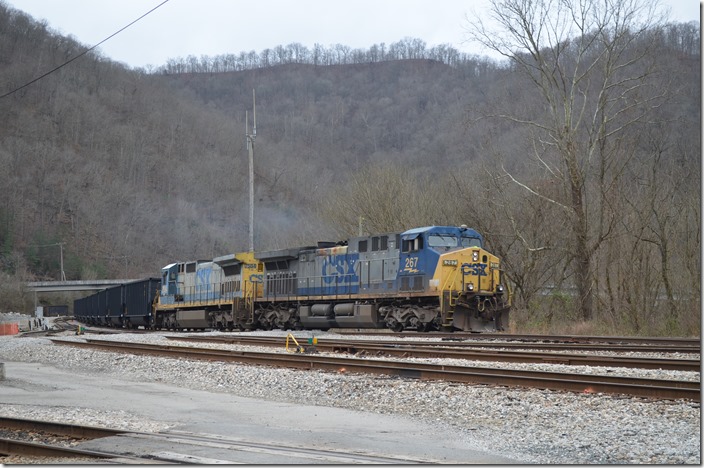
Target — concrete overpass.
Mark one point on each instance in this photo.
(85, 285)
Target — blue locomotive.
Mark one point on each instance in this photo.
(430, 278)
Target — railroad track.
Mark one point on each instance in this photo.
(130, 447)
(651, 388)
(655, 344)
(568, 339)
(425, 349)
(554, 342)
(19, 439)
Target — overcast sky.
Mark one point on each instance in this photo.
(212, 27)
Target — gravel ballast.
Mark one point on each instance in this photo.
(533, 426)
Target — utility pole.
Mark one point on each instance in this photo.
(61, 256)
(63, 275)
(250, 148)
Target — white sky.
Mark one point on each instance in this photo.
(212, 27)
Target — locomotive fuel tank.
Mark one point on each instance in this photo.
(343, 315)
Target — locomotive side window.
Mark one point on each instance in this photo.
(375, 244)
(363, 246)
(191, 267)
(232, 270)
(413, 245)
(277, 265)
(384, 245)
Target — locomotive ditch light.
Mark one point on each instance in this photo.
(500, 289)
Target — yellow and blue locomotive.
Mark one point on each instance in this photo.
(430, 278)
(207, 293)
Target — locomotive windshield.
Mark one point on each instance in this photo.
(442, 240)
(471, 242)
(450, 241)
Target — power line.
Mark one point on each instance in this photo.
(82, 53)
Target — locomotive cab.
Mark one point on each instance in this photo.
(421, 249)
(473, 295)
(169, 282)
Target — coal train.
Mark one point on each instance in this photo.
(428, 278)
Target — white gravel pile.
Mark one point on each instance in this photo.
(533, 426)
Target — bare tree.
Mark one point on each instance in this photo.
(590, 65)
(385, 198)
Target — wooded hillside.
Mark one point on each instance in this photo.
(130, 170)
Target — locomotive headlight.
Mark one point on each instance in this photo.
(470, 287)
(475, 256)
(500, 289)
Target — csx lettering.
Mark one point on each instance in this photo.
(256, 278)
(474, 269)
(203, 277)
(338, 266)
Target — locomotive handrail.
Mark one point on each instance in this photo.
(199, 295)
(451, 299)
(451, 280)
(322, 287)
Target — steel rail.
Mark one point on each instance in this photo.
(650, 388)
(70, 430)
(35, 449)
(462, 343)
(117, 455)
(580, 342)
(289, 451)
(441, 350)
(694, 342)
(19, 447)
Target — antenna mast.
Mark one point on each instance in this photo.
(250, 148)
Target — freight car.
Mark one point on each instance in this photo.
(430, 278)
(127, 305)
